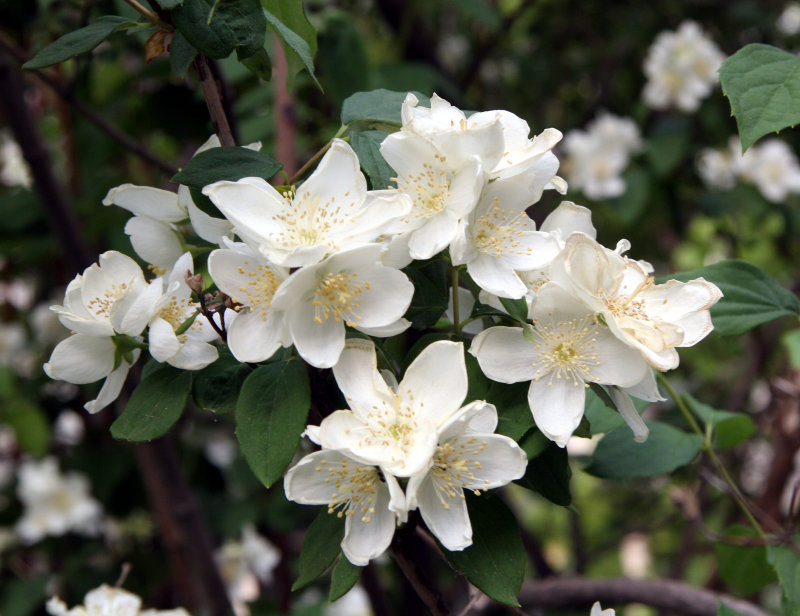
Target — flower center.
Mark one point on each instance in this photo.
(308, 221)
(454, 464)
(429, 189)
(259, 290)
(102, 304)
(337, 296)
(566, 350)
(498, 231)
(629, 305)
(176, 311)
(356, 488)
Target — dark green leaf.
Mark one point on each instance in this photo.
(216, 387)
(377, 106)
(321, 546)
(367, 147)
(431, 292)
(763, 85)
(236, 24)
(168, 5)
(478, 383)
(21, 597)
(181, 54)
(602, 418)
(750, 298)
(634, 201)
(787, 566)
(516, 308)
(226, 163)
(729, 429)
(344, 577)
(271, 415)
(668, 144)
(259, 63)
(292, 14)
(294, 42)
(549, 474)
(534, 443)
(618, 456)
(744, 568)
(80, 41)
(514, 414)
(484, 310)
(495, 562)
(155, 405)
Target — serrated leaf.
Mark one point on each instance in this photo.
(235, 24)
(743, 567)
(217, 386)
(431, 292)
(750, 296)
(321, 546)
(729, 429)
(79, 41)
(271, 415)
(294, 42)
(618, 456)
(377, 106)
(787, 566)
(763, 85)
(549, 474)
(181, 54)
(155, 405)
(495, 562)
(367, 146)
(226, 163)
(344, 577)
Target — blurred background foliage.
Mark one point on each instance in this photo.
(553, 63)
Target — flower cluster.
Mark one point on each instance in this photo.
(417, 430)
(681, 68)
(771, 165)
(108, 601)
(597, 156)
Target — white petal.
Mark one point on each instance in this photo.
(477, 417)
(569, 218)
(386, 331)
(358, 378)
(253, 338)
(501, 460)
(557, 407)
(111, 387)
(629, 413)
(435, 235)
(337, 178)
(496, 277)
(146, 201)
(446, 516)
(162, 341)
(154, 241)
(436, 399)
(364, 541)
(81, 359)
(504, 355)
(250, 204)
(320, 344)
(194, 355)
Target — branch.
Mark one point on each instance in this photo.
(668, 595)
(214, 101)
(60, 88)
(402, 552)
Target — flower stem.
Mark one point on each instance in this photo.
(456, 315)
(709, 449)
(149, 15)
(300, 172)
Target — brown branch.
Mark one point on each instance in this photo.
(214, 101)
(285, 137)
(666, 595)
(401, 550)
(59, 87)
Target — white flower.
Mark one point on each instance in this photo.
(108, 601)
(681, 68)
(250, 280)
(599, 611)
(498, 238)
(568, 349)
(332, 210)
(653, 318)
(243, 563)
(772, 166)
(354, 603)
(789, 21)
(54, 503)
(370, 501)
(396, 429)
(188, 350)
(14, 171)
(349, 288)
(469, 456)
(720, 169)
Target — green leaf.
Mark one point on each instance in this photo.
(181, 54)
(226, 163)
(787, 566)
(271, 415)
(431, 292)
(259, 63)
(495, 562)
(618, 456)
(763, 85)
(534, 443)
(21, 597)
(168, 5)
(549, 474)
(743, 567)
(292, 14)
(79, 41)
(602, 418)
(750, 296)
(367, 146)
(729, 429)
(516, 308)
(298, 46)
(321, 546)
(344, 577)
(155, 405)
(668, 144)
(216, 387)
(236, 24)
(377, 107)
(29, 423)
(514, 414)
(634, 201)
(725, 610)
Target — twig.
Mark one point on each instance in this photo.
(431, 598)
(58, 86)
(309, 162)
(214, 101)
(668, 595)
(285, 137)
(149, 15)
